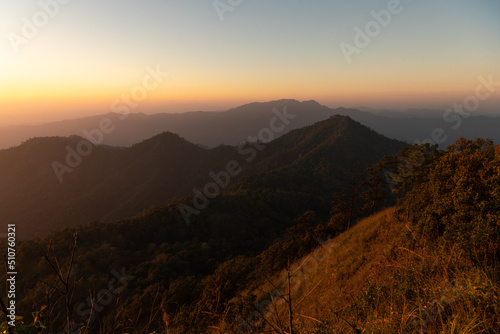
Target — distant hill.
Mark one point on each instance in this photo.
(233, 126)
(410, 129)
(115, 183)
(110, 183)
(206, 128)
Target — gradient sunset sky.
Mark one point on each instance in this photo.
(90, 52)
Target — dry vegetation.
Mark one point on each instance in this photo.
(367, 280)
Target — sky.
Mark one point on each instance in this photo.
(63, 59)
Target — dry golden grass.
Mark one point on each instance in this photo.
(368, 280)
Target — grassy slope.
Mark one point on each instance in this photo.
(369, 280)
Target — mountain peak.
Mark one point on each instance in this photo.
(166, 142)
(164, 137)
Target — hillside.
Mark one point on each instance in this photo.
(428, 265)
(110, 183)
(367, 280)
(114, 183)
(293, 174)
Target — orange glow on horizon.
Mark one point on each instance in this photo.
(42, 102)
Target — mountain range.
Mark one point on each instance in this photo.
(46, 187)
(182, 237)
(233, 126)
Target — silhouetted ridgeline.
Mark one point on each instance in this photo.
(233, 126)
(113, 183)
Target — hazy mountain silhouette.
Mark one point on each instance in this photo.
(409, 113)
(410, 129)
(235, 125)
(114, 183)
(207, 128)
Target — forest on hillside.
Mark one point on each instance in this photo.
(154, 273)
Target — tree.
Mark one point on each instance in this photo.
(458, 199)
(410, 168)
(345, 205)
(375, 188)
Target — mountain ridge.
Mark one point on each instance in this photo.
(232, 126)
(117, 183)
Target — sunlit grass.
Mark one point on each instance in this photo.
(368, 280)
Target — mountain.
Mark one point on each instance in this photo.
(408, 113)
(441, 131)
(277, 182)
(109, 183)
(47, 184)
(429, 265)
(262, 257)
(206, 128)
(233, 126)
